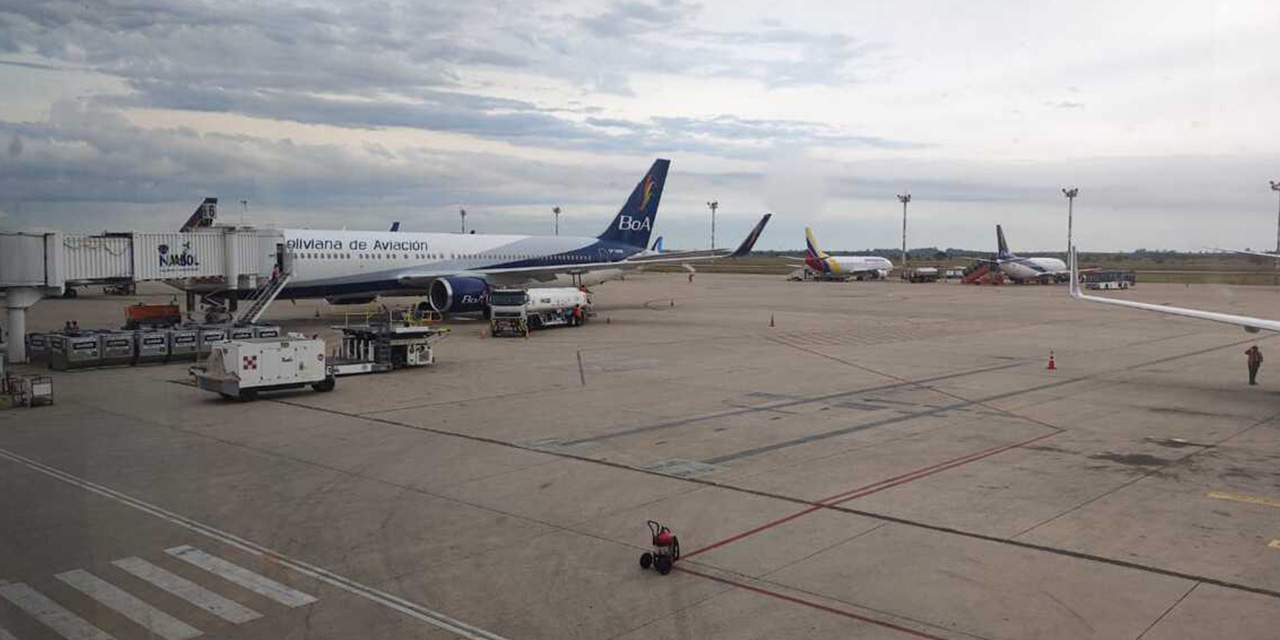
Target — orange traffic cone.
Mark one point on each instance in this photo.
(1053, 366)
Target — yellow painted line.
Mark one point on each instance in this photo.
(1249, 499)
(1275, 544)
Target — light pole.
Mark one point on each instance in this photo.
(556, 210)
(713, 205)
(1071, 201)
(904, 199)
(463, 214)
(1275, 186)
(244, 209)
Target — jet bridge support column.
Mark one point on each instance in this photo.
(17, 300)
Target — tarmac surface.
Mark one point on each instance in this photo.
(870, 460)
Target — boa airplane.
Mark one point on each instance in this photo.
(455, 271)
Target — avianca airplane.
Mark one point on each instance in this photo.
(455, 271)
(1021, 269)
(1250, 324)
(841, 266)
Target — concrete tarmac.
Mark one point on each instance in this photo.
(885, 461)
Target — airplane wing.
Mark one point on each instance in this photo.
(1247, 253)
(1252, 325)
(419, 278)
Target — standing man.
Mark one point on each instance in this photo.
(1255, 361)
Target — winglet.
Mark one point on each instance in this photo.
(745, 248)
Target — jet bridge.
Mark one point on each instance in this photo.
(36, 264)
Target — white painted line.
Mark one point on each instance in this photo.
(254, 582)
(126, 604)
(187, 590)
(393, 602)
(67, 624)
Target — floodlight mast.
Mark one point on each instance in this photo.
(1071, 200)
(904, 199)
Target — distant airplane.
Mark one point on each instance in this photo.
(1250, 324)
(1024, 269)
(455, 271)
(819, 262)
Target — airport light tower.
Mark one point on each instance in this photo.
(556, 210)
(904, 198)
(1071, 200)
(1275, 186)
(463, 214)
(713, 205)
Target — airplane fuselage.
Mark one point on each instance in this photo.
(850, 265)
(1032, 268)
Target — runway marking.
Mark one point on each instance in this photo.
(387, 600)
(254, 582)
(126, 604)
(177, 585)
(52, 615)
(1221, 495)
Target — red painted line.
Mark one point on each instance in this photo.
(867, 490)
(813, 605)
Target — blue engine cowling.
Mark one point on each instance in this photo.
(459, 295)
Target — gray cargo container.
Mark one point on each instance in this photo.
(241, 333)
(37, 347)
(150, 346)
(209, 336)
(74, 351)
(184, 344)
(266, 331)
(116, 347)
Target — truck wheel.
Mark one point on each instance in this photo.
(324, 386)
(248, 395)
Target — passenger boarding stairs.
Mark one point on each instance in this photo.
(262, 298)
(982, 272)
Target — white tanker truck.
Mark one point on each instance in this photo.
(515, 312)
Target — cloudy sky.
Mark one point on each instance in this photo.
(324, 114)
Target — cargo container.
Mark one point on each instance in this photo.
(241, 333)
(209, 336)
(184, 344)
(266, 331)
(75, 351)
(150, 345)
(116, 347)
(37, 347)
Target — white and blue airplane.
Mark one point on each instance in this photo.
(455, 271)
(1026, 269)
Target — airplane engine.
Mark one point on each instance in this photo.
(459, 295)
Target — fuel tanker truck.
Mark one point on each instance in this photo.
(516, 312)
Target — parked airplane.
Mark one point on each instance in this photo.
(1024, 269)
(1252, 325)
(455, 271)
(830, 266)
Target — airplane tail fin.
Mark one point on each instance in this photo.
(203, 217)
(811, 246)
(1002, 247)
(750, 241)
(657, 245)
(395, 226)
(634, 223)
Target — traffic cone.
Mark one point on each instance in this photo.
(1053, 366)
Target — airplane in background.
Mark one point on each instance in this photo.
(1023, 269)
(455, 271)
(830, 266)
(1250, 324)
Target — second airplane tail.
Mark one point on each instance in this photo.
(1002, 247)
